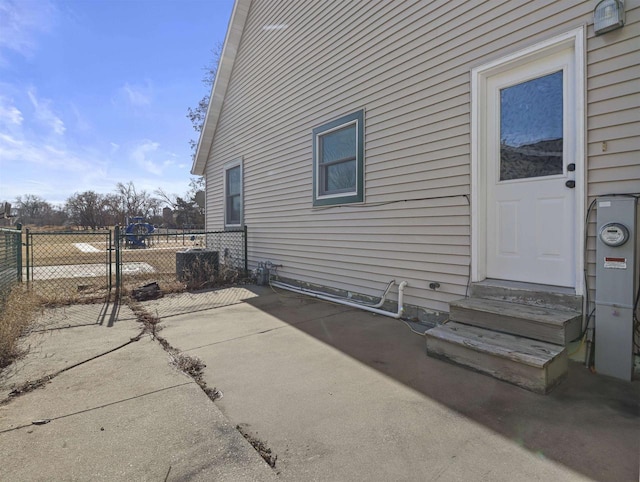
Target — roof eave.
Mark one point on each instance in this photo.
(223, 76)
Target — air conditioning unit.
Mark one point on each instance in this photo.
(197, 265)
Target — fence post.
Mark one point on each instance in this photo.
(28, 257)
(246, 253)
(18, 239)
(116, 234)
(110, 259)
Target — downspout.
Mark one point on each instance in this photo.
(352, 304)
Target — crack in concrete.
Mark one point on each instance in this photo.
(31, 385)
(194, 367)
(259, 446)
(97, 407)
(188, 364)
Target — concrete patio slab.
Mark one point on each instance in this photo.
(128, 415)
(341, 394)
(181, 303)
(336, 393)
(63, 336)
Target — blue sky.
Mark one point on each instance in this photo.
(95, 92)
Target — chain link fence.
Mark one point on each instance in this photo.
(10, 260)
(63, 267)
(177, 260)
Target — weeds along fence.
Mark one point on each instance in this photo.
(92, 266)
(179, 260)
(10, 261)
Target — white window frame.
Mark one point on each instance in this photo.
(227, 167)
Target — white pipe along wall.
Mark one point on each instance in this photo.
(359, 303)
(342, 301)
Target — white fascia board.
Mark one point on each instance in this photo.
(229, 50)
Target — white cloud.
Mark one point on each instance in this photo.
(142, 155)
(51, 171)
(38, 154)
(81, 123)
(149, 156)
(10, 115)
(137, 95)
(45, 115)
(21, 23)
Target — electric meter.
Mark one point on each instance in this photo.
(614, 234)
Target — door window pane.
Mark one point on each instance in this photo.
(531, 133)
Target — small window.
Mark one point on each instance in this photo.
(233, 194)
(338, 161)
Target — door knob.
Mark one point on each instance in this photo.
(570, 184)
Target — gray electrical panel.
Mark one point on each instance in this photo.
(616, 285)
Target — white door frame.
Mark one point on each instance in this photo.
(479, 75)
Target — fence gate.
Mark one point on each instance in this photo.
(84, 266)
(69, 266)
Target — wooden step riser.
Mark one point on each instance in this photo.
(559, 335)
(536, 379)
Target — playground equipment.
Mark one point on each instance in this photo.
(137, 232)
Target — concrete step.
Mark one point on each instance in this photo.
(530, 364)
(556, 297)
(535, 322)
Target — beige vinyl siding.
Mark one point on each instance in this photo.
(613, 117)
(408, 65)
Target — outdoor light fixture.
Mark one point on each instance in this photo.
(608, 15)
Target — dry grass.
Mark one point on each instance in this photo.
(23, 304)
(18, 313)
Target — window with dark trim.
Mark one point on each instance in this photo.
(338, 161)
(233, 194)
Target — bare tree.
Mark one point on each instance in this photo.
(114, 209)
(32, 209)
(197, 114)
(137, 203)
(86, 209)
(185, 208)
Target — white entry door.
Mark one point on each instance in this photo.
(530, 160)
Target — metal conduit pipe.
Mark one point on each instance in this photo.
(379, 304)
(342, 301)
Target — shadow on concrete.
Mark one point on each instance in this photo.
(589, 423)
(109, 313)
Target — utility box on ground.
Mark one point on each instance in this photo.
(616, 285)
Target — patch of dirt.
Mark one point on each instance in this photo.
(27, 387)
